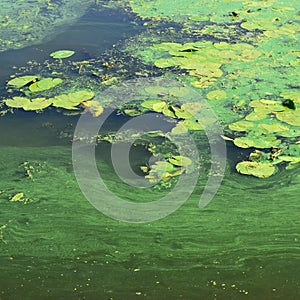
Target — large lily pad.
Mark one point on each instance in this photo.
(28, 104)
(22, 81)
(257, 169)
(70, 101)
(291, 117)
(44, 84)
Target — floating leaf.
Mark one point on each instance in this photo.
(241, 126)
(150, 103)
(291, 117)
(44, 84)
(178, 91)
(16, 102)
(70, 101)
(181, 113)
(257, 169)
(62, 54)
(17, 197)
(37, 104)
(216, 95)
(22, 81)
(180, 161)
(93, 107)
(261, 142)
(273, 127)
(191, 124)
(28, 104)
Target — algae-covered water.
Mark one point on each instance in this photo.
(245, 244)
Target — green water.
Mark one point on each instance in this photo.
(243, 245)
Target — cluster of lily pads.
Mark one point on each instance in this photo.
(202, 59)
(35, 84)
(268, 126)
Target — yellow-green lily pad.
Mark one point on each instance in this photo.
(62, 54)
(257, 169)
(180, 161)
(216, 95)
(44, 84)
(289, 116)
(22, 81)
(241, 126)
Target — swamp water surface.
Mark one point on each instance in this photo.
(243, 245)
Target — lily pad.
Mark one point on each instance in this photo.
(216, 95)
(241, 126)
(150, 103)
(291, 117)
(180, 161)
(261, 142)
(70, 101)
(93, 107)
(28, 104)
(257, 169)
(62, 54)
(44, 84)
(22, 81)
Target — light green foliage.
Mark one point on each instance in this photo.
(21, 81)
(44, 84)
(257, 169)
(62, 54)
(28, 104)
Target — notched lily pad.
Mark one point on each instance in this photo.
(44, 84)
(257, 169)
(22, 81)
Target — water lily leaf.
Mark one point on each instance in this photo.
(37, 103)
(93, 107)
(180, 161)
(273, 127)
(167, 110)
(292, 95)
(191, 124)
(70, 101)
(44, 84)
(150, 103)
(256, 116)
(17, 197)
(241, 126)
(156, 90)
(22, 81)
(28, 104)
(132, 112)
(16, 102)
(216, 95)
(192, 107)
(261, 142)
(160, 107)
(181, 113)
(257, 169)
(291, 117)
(178, 91)
(62, 54)
(179, 129)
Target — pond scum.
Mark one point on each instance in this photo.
(241, 56)
(244, 61)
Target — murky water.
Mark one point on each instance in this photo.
(243, 245)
